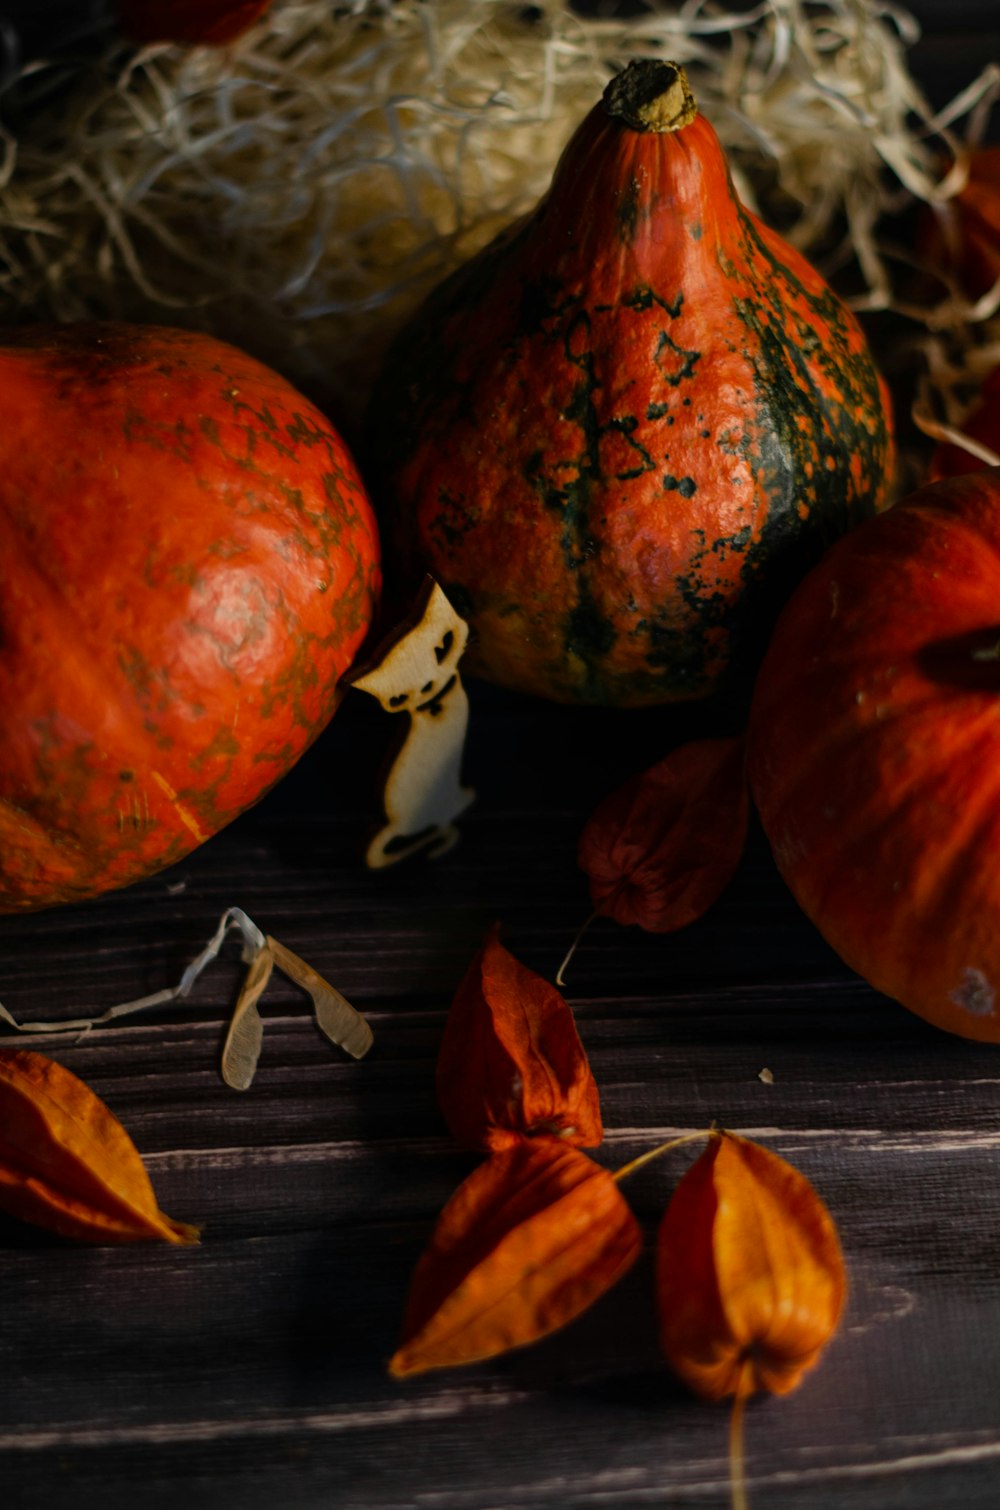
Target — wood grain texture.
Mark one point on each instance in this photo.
(250, 1371)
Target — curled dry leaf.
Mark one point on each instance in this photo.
(532, 1238)
(661, 849)
(750, 1278)
(511, 1064)
(67, 1163)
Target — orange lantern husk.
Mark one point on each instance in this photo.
(750, 1276)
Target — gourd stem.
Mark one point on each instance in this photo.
(654, 1153)
(651, 96)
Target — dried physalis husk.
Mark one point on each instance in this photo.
(66, 1163)
(532, 1238)
(662, 848)
(750, 1278)
(511, 1064)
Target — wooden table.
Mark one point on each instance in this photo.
(250, 1371)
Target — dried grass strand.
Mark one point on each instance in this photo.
(301, 189)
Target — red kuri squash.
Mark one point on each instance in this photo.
(619, 434)
(188, 563)
(874, 752)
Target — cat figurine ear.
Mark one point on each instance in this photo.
(416, 672)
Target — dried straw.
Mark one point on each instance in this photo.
(300, 190)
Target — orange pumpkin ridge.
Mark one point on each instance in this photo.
(189, 563)
(874, 751)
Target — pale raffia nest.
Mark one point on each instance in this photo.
(299, 191)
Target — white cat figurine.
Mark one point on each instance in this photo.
(417, 674)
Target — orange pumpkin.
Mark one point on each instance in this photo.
(188, 563)
(619, 434)
(874, 751)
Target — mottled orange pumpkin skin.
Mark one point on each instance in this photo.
(620, 433)
(188, 563)
(874, 754)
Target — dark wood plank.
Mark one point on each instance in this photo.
(227, 1373)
